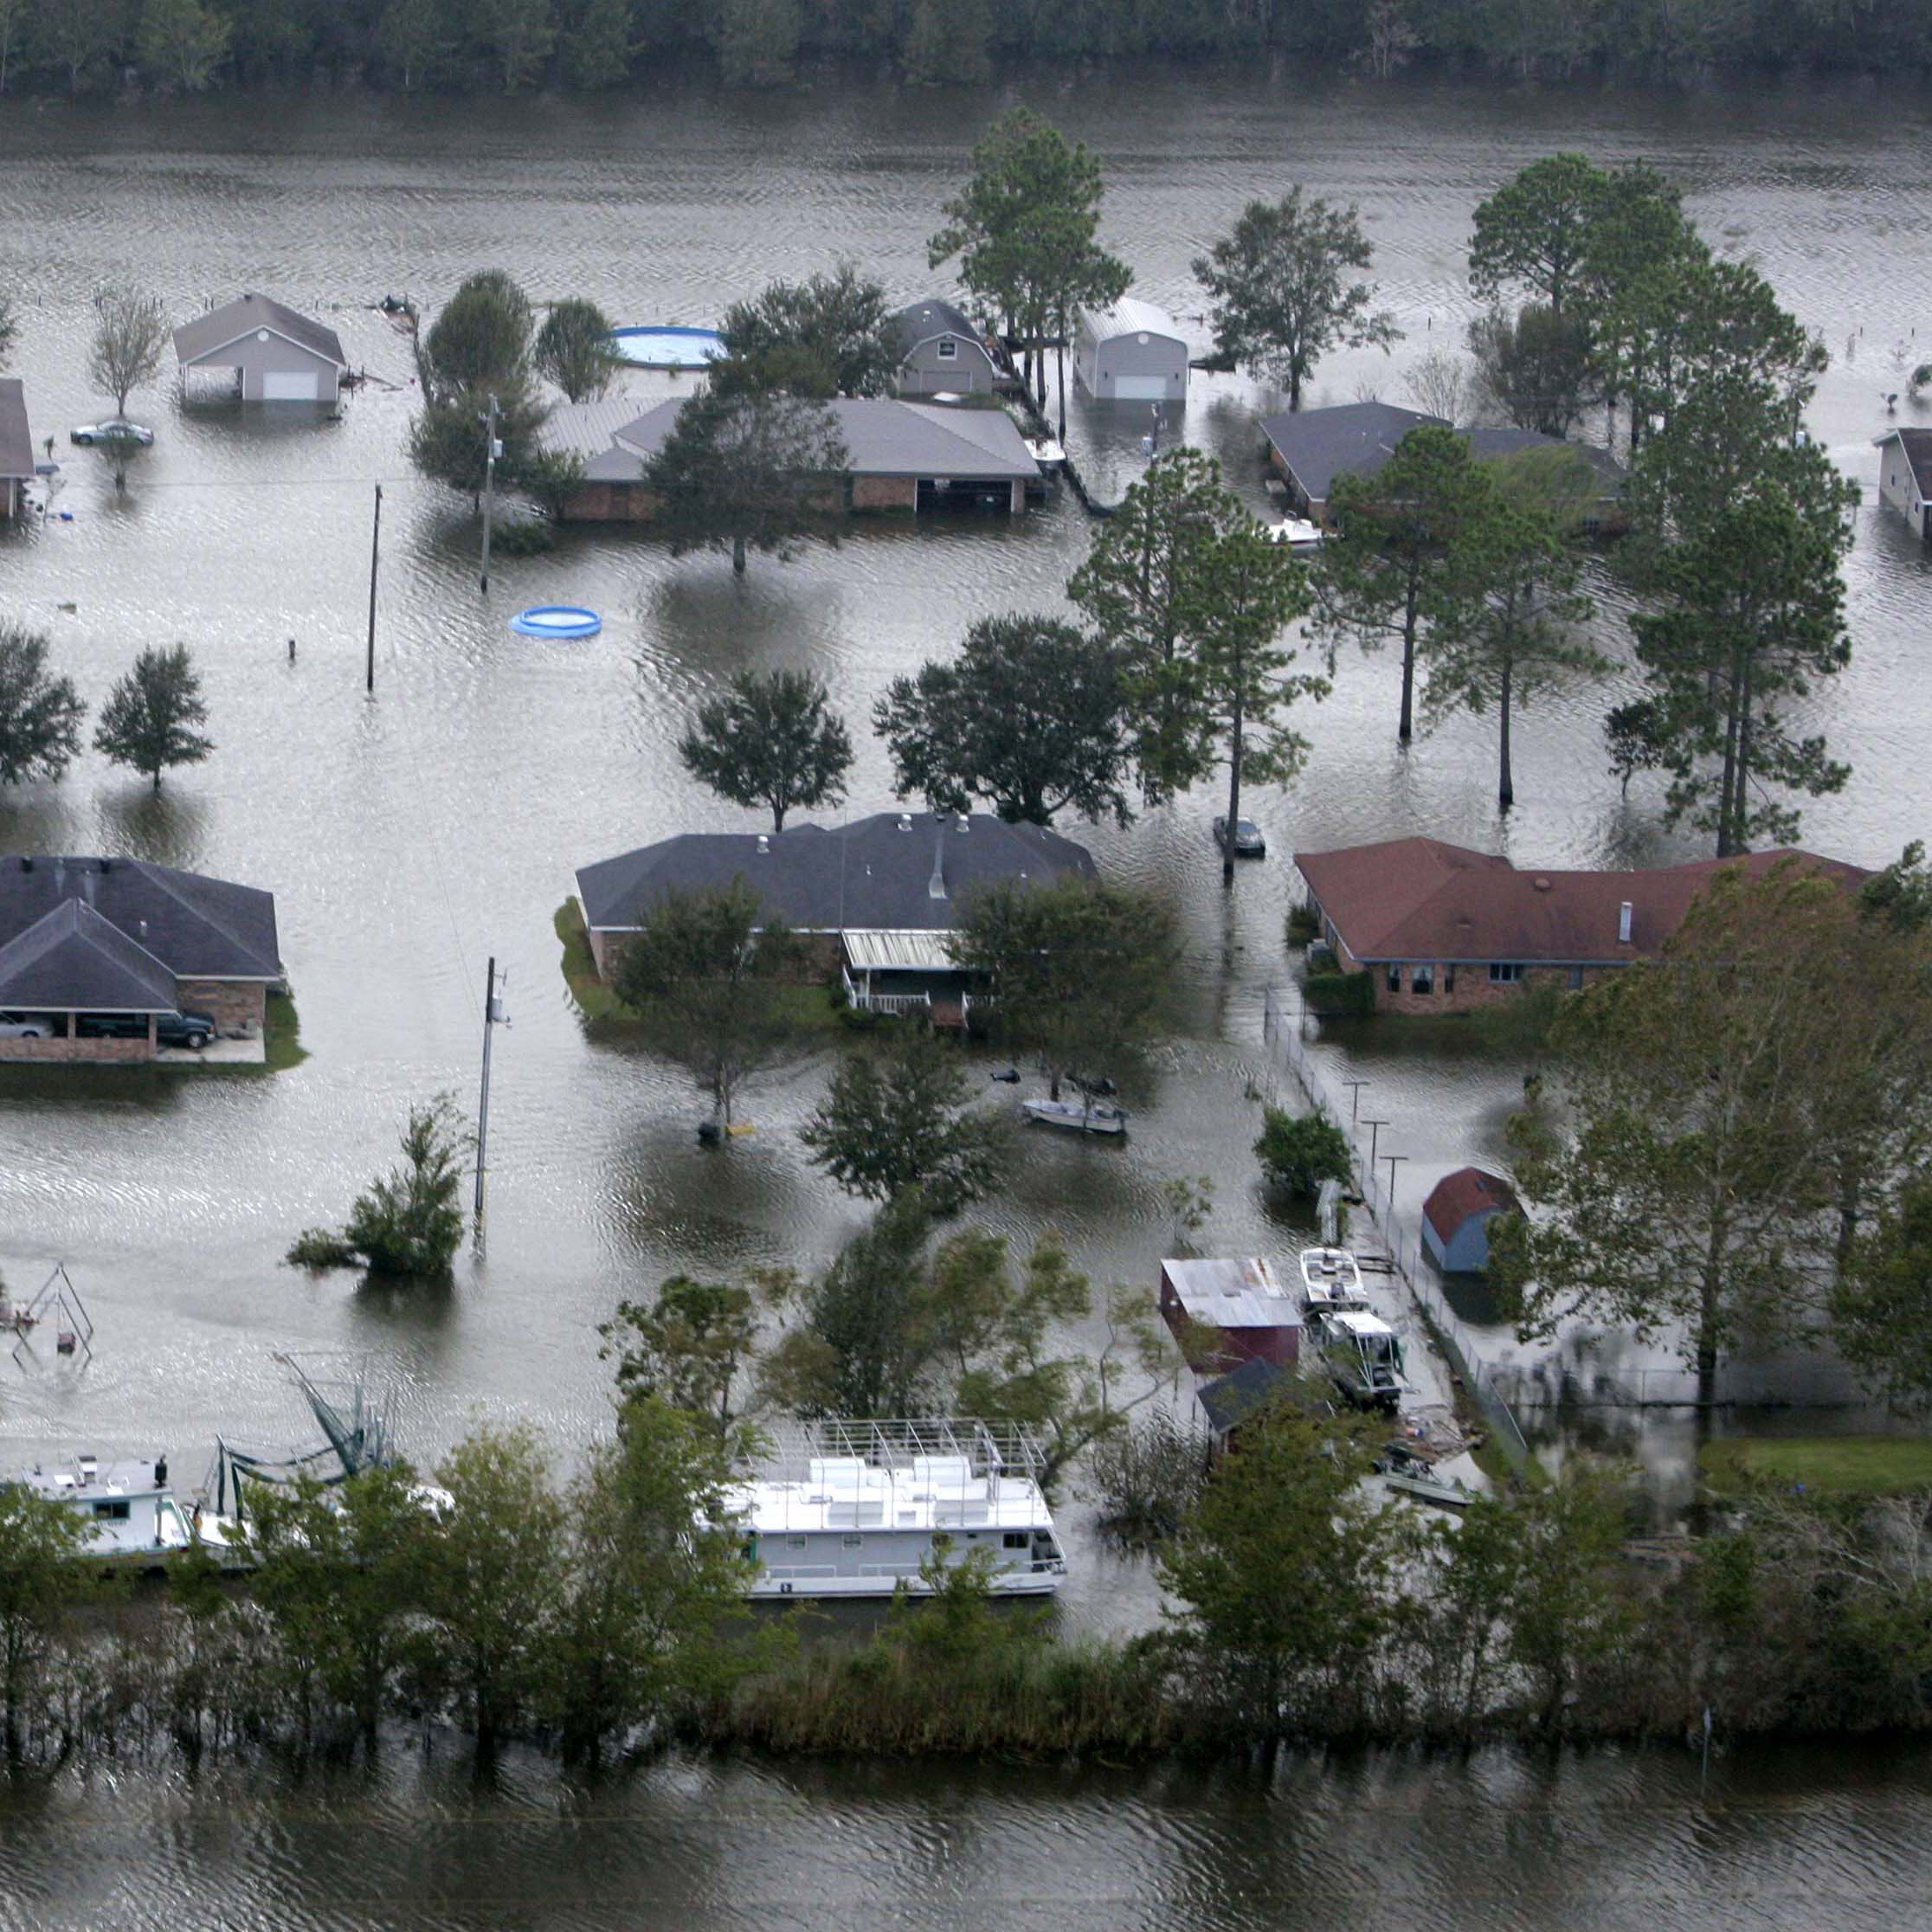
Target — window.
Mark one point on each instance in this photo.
(852, 1543)
(1576, 979)
(1395, 978)
(1015, 1539)
(111, 1512)
(949, 349)
(1448, 979)
(794, 1543)
(1505, 975)
(1422, 980)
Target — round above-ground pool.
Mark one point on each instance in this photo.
(667, 347)
(556, 621)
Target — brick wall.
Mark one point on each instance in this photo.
(239, 1011)
(1474, 989)
(885, 493)
(610, 503)
(103, 1051)
(821, 953)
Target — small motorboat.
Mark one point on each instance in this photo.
(1331, 1278)
(1404, 1470)
(1084, 1117)
(1298, 533)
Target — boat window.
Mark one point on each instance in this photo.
(1015, 1539)
(111, 1512)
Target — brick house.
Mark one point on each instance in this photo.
(116, 940)
(903, 456)
(1442, 929)
(874, 898)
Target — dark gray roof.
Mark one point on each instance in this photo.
(924, 321)
(16, 440)
(1231, 1399)
(72, 957)
(222, 326)
(1355, 439)
(196, 927)
(1918, 445)
(870, 875)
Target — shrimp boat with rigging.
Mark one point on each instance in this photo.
(863, 1508)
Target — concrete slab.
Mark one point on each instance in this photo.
(217, 1052)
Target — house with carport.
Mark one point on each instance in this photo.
(274, 353)
(92, 950)
(876, 898)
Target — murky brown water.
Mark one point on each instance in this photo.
(410, 838)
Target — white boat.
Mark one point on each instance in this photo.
(1363, 1355)
(859, 1509)
(136, 1521)
(1409, 1474)
(1084, 1116)
(1046, 451)
(1298, 533)
(1331, 1278)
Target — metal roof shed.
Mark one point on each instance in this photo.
(1243, 1300)
(1130, 352)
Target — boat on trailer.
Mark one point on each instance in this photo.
(864, 1509)
(1364, 1355)
(1331, 1278)
(137, 1522)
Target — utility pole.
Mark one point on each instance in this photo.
(492, 450)
(375, 550)
(492, 1018)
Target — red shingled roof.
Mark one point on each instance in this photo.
(1467, 1191)
(1420, 900)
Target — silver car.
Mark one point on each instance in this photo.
(25, 1026)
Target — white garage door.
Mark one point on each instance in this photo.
(290, 385)
(1141, 389)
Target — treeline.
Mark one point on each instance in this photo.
(508, 45)
(602, 1617)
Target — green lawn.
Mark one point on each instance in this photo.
(595, 999)
(282, 1035)
(1826, 1465)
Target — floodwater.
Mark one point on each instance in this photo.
(411, 837)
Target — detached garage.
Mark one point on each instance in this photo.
(1130, 352)
(277, 355)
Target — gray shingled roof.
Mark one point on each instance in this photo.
(870, 875)
(196, 927)
(924, 321)
(1918, 445)
(883, 437)
(221, 326)
(16, 440)
(1231, 1399)
(1355, 439)
(72, 957)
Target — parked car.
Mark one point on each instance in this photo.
(171, 1030)
(114, 429)
(1248, 842)
(25, 1026)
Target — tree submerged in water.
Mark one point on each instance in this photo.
(408, 1225)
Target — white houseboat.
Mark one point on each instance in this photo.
(136, 1521)
(856, 1509)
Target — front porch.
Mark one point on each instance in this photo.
(903, 974)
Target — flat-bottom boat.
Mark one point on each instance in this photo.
(1409, 1474)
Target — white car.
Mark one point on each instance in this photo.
(115, 429)
(25, 1026)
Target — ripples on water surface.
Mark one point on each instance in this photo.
(410, 838)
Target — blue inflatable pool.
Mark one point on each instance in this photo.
(556, 621)
(667, 347)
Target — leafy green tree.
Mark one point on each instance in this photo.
(449, 442)
(15, 16)
(1503, 628)
(1298, 1152)
(1079, 973)
(415, 39)
(1684, 1191)
(1881, 1304)
(77, 38)
(713, 975)
(337, 1573)
(756, 42)
(830, 335)
(480, 340)
(770, 739)
(1279, 283)
(573, 348)
(642, 1628)
(40, 713)
(1024, 228)
(1535, 366)
(515, 35)
(39, 1538)
(600, 42)
(182, 42)
(749, 472)
(900, 1119)
(130, 329)
(690, 1348)
(1280, 1582)
(1634, 735)
(408, 1223)
(1029, 717)
(1397, 531)
(492, 1583)
(148, 722)
(1534, 232)
(946, 43)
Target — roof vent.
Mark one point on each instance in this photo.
(964, 823)
(765, 841)
(142, 924)
(936, 886)
(905, 822)
(1624, 913)
(1541, 885)
(26, 865)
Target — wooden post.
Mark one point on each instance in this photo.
(375, 546)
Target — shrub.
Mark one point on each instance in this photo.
(318, 1247)
(523, 537)
(1339, 995)
(1147, 1479)
(1299, 1152)
(1304, 926)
